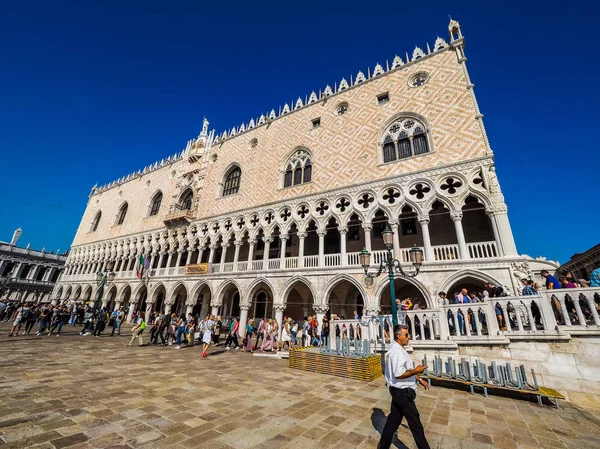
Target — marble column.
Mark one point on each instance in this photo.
(236, 255)
(279, 308)
(169, 258)
(301, 238)
(320, 311)
(267, 241)
(215, 311)
(117, 304)
(189, 257)
(284, 238)
(168, 306)
(223, 255)
(321, 233)
(188, 309)
(428, 250)
(460, 235)
(492, 216)
(211, 255)
(243, 318)
(505, 232)
(343, 256)
(251, 244)
(396, 240)
(152, 258)
(367, 227)
(160, 259)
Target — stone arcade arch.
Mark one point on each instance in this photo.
(472, 280)
(344, 294)
(178, 299)
(228, 299)
(260, 298)
(201, 296)
(298, 297)
(125, 298)
(403, 287)
(111, 298)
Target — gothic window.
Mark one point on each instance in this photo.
(232, 181)
(121, 215)
(155, 207)
(404, 138)
(298, 169)
(186, 200)
(96, 221)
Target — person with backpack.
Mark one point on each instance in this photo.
(100, 318)
(31, 320)
(22, 316)
(60, 320)
(138, 329)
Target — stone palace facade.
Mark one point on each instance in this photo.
(267, 219)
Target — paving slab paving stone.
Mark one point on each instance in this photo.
(102, 394)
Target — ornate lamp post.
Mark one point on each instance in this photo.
(102, 279)
(391, 265)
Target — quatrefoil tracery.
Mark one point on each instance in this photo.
(419, 191)
(365, 200)
(342, 204)
(451, 185)
(391, 195)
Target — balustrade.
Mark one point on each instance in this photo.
(257, 265)
(333, 260)
(311, 261)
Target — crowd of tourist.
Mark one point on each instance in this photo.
(265, 335)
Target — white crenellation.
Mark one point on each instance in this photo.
(439, 45)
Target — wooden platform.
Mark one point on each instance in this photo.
(541, 392)
(310, 359)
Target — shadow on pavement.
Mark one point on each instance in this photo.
(378, 419)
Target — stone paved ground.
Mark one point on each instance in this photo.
(85, 392)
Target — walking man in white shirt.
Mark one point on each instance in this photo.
(402, 379)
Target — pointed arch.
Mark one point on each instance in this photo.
(122, 214)
(222, 288)
(155, 203)
(285, 291)
(231, 180)
(467, 273)
(256, 283)
(343, 277)
(381, 286)
(96, 221)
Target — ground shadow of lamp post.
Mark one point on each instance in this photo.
(391, 265)
(102, 279)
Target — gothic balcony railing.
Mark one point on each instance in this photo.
(481, 250)
(177, 216)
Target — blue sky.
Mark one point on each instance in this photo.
(92, 91)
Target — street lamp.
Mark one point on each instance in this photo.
(391, 265)
(102, 278)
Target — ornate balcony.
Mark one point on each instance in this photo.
(178, 217)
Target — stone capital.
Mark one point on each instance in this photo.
(245, 307)
(279, 307)
(456, 215)
(238, 243)
(320, 308)
(268, 239)
(321, 232)
(367, 227)
(343, 229)
(423, 220)
(393, 223)
(252, 242)
(302, 235)
(213, 246)
(284, 236)
(224, 245)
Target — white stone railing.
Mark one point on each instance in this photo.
(441, 253)
(311, 261)
(445, 252)
(482, 250)
(575, 309)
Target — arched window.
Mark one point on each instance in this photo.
(405, 137)
(186, 200)
(121, 214)
(96, 221)
(298, 169)
(232, 181)
(155, 207)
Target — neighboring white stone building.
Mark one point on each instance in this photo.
(280, 207)
(27, 274)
